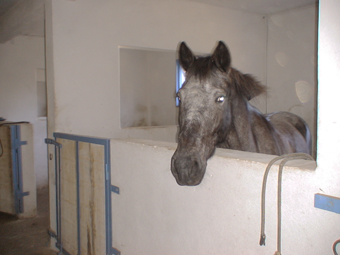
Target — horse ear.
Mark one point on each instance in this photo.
(221, 57)
(186, 57)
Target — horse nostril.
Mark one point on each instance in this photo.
(187, 170)
(195, 169)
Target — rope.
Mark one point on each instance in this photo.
(334, 247)
(1, 149)
(285, 159)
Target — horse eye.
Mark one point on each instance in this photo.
(220, 99)
(178, 97)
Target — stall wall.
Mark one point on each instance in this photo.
(154, 215)
(328, 97)
(291, 63)
(86, 36)
(86, 67)
(21, 70)
(147, 87)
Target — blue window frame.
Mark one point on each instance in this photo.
(180, 78)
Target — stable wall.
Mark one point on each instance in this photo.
(86, 36)
(23, 60)
(154, 215)
(328, 156)
(291, 63)
(85, 69)
(147, 87)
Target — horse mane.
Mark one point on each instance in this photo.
(245, 84)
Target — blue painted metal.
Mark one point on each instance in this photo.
(16, 144)
(115, 189)
(108, 187)
(115, 251)
(61, 248)
(108, 203)
(328, 203)
(57, 148)
(78, 197)
(53, 142)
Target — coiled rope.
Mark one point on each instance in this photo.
(334, 247)
(285, 158)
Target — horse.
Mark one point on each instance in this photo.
(214, 111)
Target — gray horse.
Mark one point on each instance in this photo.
(214, 111)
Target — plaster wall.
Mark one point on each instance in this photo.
(291, 63)
(328, 156)
(147, 87)
(154, 215)
(26, 17)
(86, 48)
(86, 37)
(21, 57)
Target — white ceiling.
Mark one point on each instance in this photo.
(5, 5)
(259, 6)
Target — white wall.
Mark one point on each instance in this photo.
(21, 57)
(291, 63)
(26, 17)
(134, 106)
(328, 97)
(86, 54)
(162, 91)
(147, 87)
(154, 215)
(86, 36)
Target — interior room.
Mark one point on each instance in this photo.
(98, 79)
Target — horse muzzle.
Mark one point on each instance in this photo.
(188, 169)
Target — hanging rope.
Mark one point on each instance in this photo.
(334, 247)
(285, 159)
(1, 149)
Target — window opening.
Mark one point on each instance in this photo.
(180, 78)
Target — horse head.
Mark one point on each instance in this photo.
(203, 112)
(214, 111)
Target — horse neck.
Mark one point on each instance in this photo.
(242, 112)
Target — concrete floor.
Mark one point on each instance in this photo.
(27, 236)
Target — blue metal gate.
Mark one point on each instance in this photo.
(58, 184)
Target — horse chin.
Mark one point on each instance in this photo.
(188, 171)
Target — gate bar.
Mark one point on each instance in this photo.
(17, 168)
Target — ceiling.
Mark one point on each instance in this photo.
(256, 6)
(5, 5)
(259, 6)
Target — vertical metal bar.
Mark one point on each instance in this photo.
(58, 193)
(78, 197)
(19, 165)
(108, 212)
(15, 168)
(57, 182)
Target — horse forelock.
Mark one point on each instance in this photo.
(202, 68)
